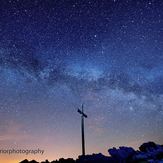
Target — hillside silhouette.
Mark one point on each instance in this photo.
(148, 153)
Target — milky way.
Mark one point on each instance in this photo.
(57, 54)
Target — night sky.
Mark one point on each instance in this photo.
(57, 54)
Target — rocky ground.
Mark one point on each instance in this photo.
(147, 153)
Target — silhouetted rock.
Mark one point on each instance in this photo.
(122, 154)
(149, 153)
(33, 161)
(69, 160)
(145, 147)
(95, 158)
(24, 161)
(46, 161)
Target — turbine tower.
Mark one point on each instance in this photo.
(83, 115)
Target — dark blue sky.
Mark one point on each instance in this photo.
(57, 54)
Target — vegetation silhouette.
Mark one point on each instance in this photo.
(148, 153)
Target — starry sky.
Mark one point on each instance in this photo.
(57, 54)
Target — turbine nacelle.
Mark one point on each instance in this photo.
(82, 113)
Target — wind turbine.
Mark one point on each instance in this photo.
(83, 115)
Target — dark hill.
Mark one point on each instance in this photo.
(147, 153)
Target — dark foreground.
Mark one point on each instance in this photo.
(147, 153)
